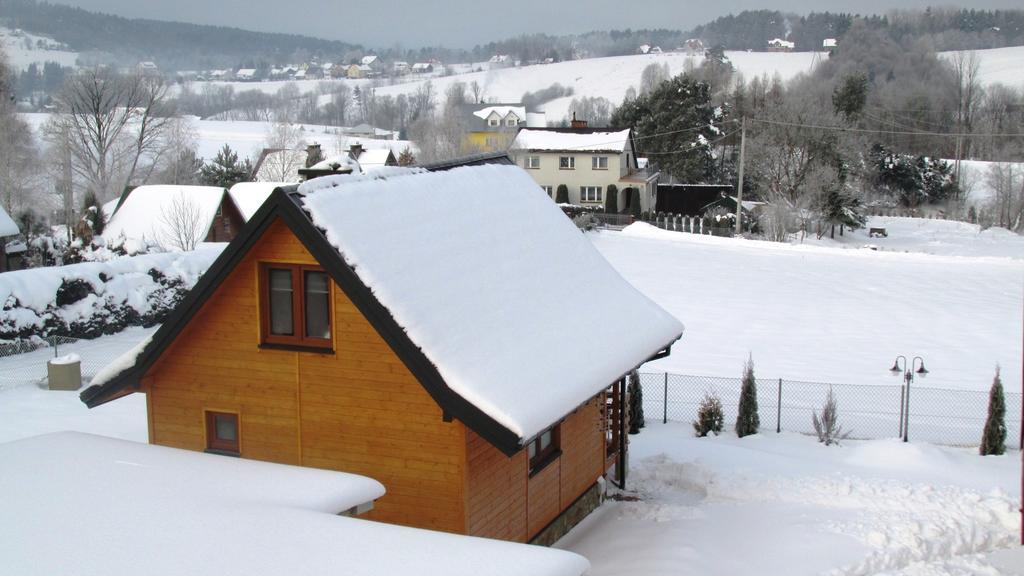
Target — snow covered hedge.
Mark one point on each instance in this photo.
(90, 299)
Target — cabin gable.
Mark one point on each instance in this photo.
(356, 409)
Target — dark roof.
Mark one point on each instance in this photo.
(472, 160)
(285, 204)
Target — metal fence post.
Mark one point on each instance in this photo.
(903, 407)
(664, 404)
(778, 413)
(906, 421)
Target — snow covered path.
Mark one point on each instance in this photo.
(784, 504)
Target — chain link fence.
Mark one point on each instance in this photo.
(24, 362)
(936, 415)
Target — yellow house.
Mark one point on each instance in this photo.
(491, 127)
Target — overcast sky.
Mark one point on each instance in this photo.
(464, 23)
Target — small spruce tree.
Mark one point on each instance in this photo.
(747, 422)
(635, 398)
(993, 439)
(634, 203)
(406, 158)
(611, 200)
(710, 416)
(562, 194)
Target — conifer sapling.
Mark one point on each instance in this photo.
(993, 439)
(747, 422)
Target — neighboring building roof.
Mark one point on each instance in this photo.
(245, 73)
(830, 43)
(146, 213)
(472, 160)
(367, 60)
(249, 196)
(780, 43)
(375, 158)
(7, 225)
(484, 311)
(97, 505)
(569, 140)
(502, 110)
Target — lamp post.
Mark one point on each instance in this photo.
(908, 373)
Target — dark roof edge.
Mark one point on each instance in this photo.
(472, 160)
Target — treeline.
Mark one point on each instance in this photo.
(172, 45)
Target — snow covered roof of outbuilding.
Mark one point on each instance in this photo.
(249, 196)
(480, 310)
(7, 225)
(145, 509)
(552, 140)
(147, 212)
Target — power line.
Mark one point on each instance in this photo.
(897, 132)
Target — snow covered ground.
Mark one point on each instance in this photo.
(999, 65)
(827, 315)
(24, 49)
(785, 504)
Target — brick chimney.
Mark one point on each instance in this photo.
(577, 124)
(355, 151)
(313, 155)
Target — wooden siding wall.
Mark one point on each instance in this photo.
(358, 410)
(226, 223)
(530, 504)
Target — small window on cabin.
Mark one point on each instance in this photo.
(222, 433)
(544, 449)
(295, 306)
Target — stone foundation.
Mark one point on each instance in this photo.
(572, 515)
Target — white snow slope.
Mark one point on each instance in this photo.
(823, 314)
(999, 65)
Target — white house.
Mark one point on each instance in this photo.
(780, 45)
(245, 74)
(587, 161)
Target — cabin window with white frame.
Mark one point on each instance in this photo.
(566, 162)
(590, 193)
(533, 162)
(599, 162)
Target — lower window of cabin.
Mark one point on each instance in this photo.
(222, 433)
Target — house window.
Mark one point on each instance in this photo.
(590, 193)
(533, 162)
(566, 162)
(295, 305)
(599, 163)
(549, 190)
(511, 122)
(544, 449)
(493, 122)
(222, 433)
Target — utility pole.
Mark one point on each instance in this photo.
(739, 184)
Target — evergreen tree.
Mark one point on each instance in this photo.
(634, 203)
(562, 194)
(993, 439)
(406, 158)
(92, 215)
(710, 417)
(748, 421)
(225, 170)
(611, 200)
(840, 208)
(635, 400)
(850, 96)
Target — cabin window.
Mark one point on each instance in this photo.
(295, 305)
(566, 162)
(533, 162)
(222, 433)
(599, 162)
(544, 449)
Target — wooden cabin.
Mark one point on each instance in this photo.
(175, 217)
(348, 328)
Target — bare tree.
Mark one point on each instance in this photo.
(652, 77)
(17, 151)
(967, 67)
(182, 224)
(1007, 204)
(286, 155)
(477, 91)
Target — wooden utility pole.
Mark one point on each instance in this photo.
(739, 184)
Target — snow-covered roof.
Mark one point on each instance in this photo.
(779, 42)
(7, 225)
(147, 212)
(374, 158)
(830, 43)
(559, 141)
(502, 111)
(367, 60)
(338, 162)
(249, 196)
(502, 300)
(245, 72)
(95, 505)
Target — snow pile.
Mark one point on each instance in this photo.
(504, 299)
(161, 214)
(799, 507)
(186, 512)
(92, 298)
(547, 140)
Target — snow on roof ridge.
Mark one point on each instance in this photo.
(492, 296)
(539, 139)
(340, 180)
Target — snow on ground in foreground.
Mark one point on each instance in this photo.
(822, 314)
(785, 504)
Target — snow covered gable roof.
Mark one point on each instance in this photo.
(249, 196)
(556, 140)
(179, 511)
(485, 313)
(7, 225)
(502, 112)
(146, 214)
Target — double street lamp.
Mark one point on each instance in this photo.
(908, 373)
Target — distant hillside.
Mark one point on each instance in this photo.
(172, 45)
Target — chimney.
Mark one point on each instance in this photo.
(577, 124)
(355, 151)
(313, 155)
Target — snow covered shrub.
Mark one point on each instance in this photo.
(827, 427)
(635, 403)
(748, 421)
(993, 439)
(562, 194)
(710, 417)
(611, 200)
(72, 290)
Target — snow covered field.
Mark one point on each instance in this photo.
(24, 49)
(999, 65)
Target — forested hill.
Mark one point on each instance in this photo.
(172, 45)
